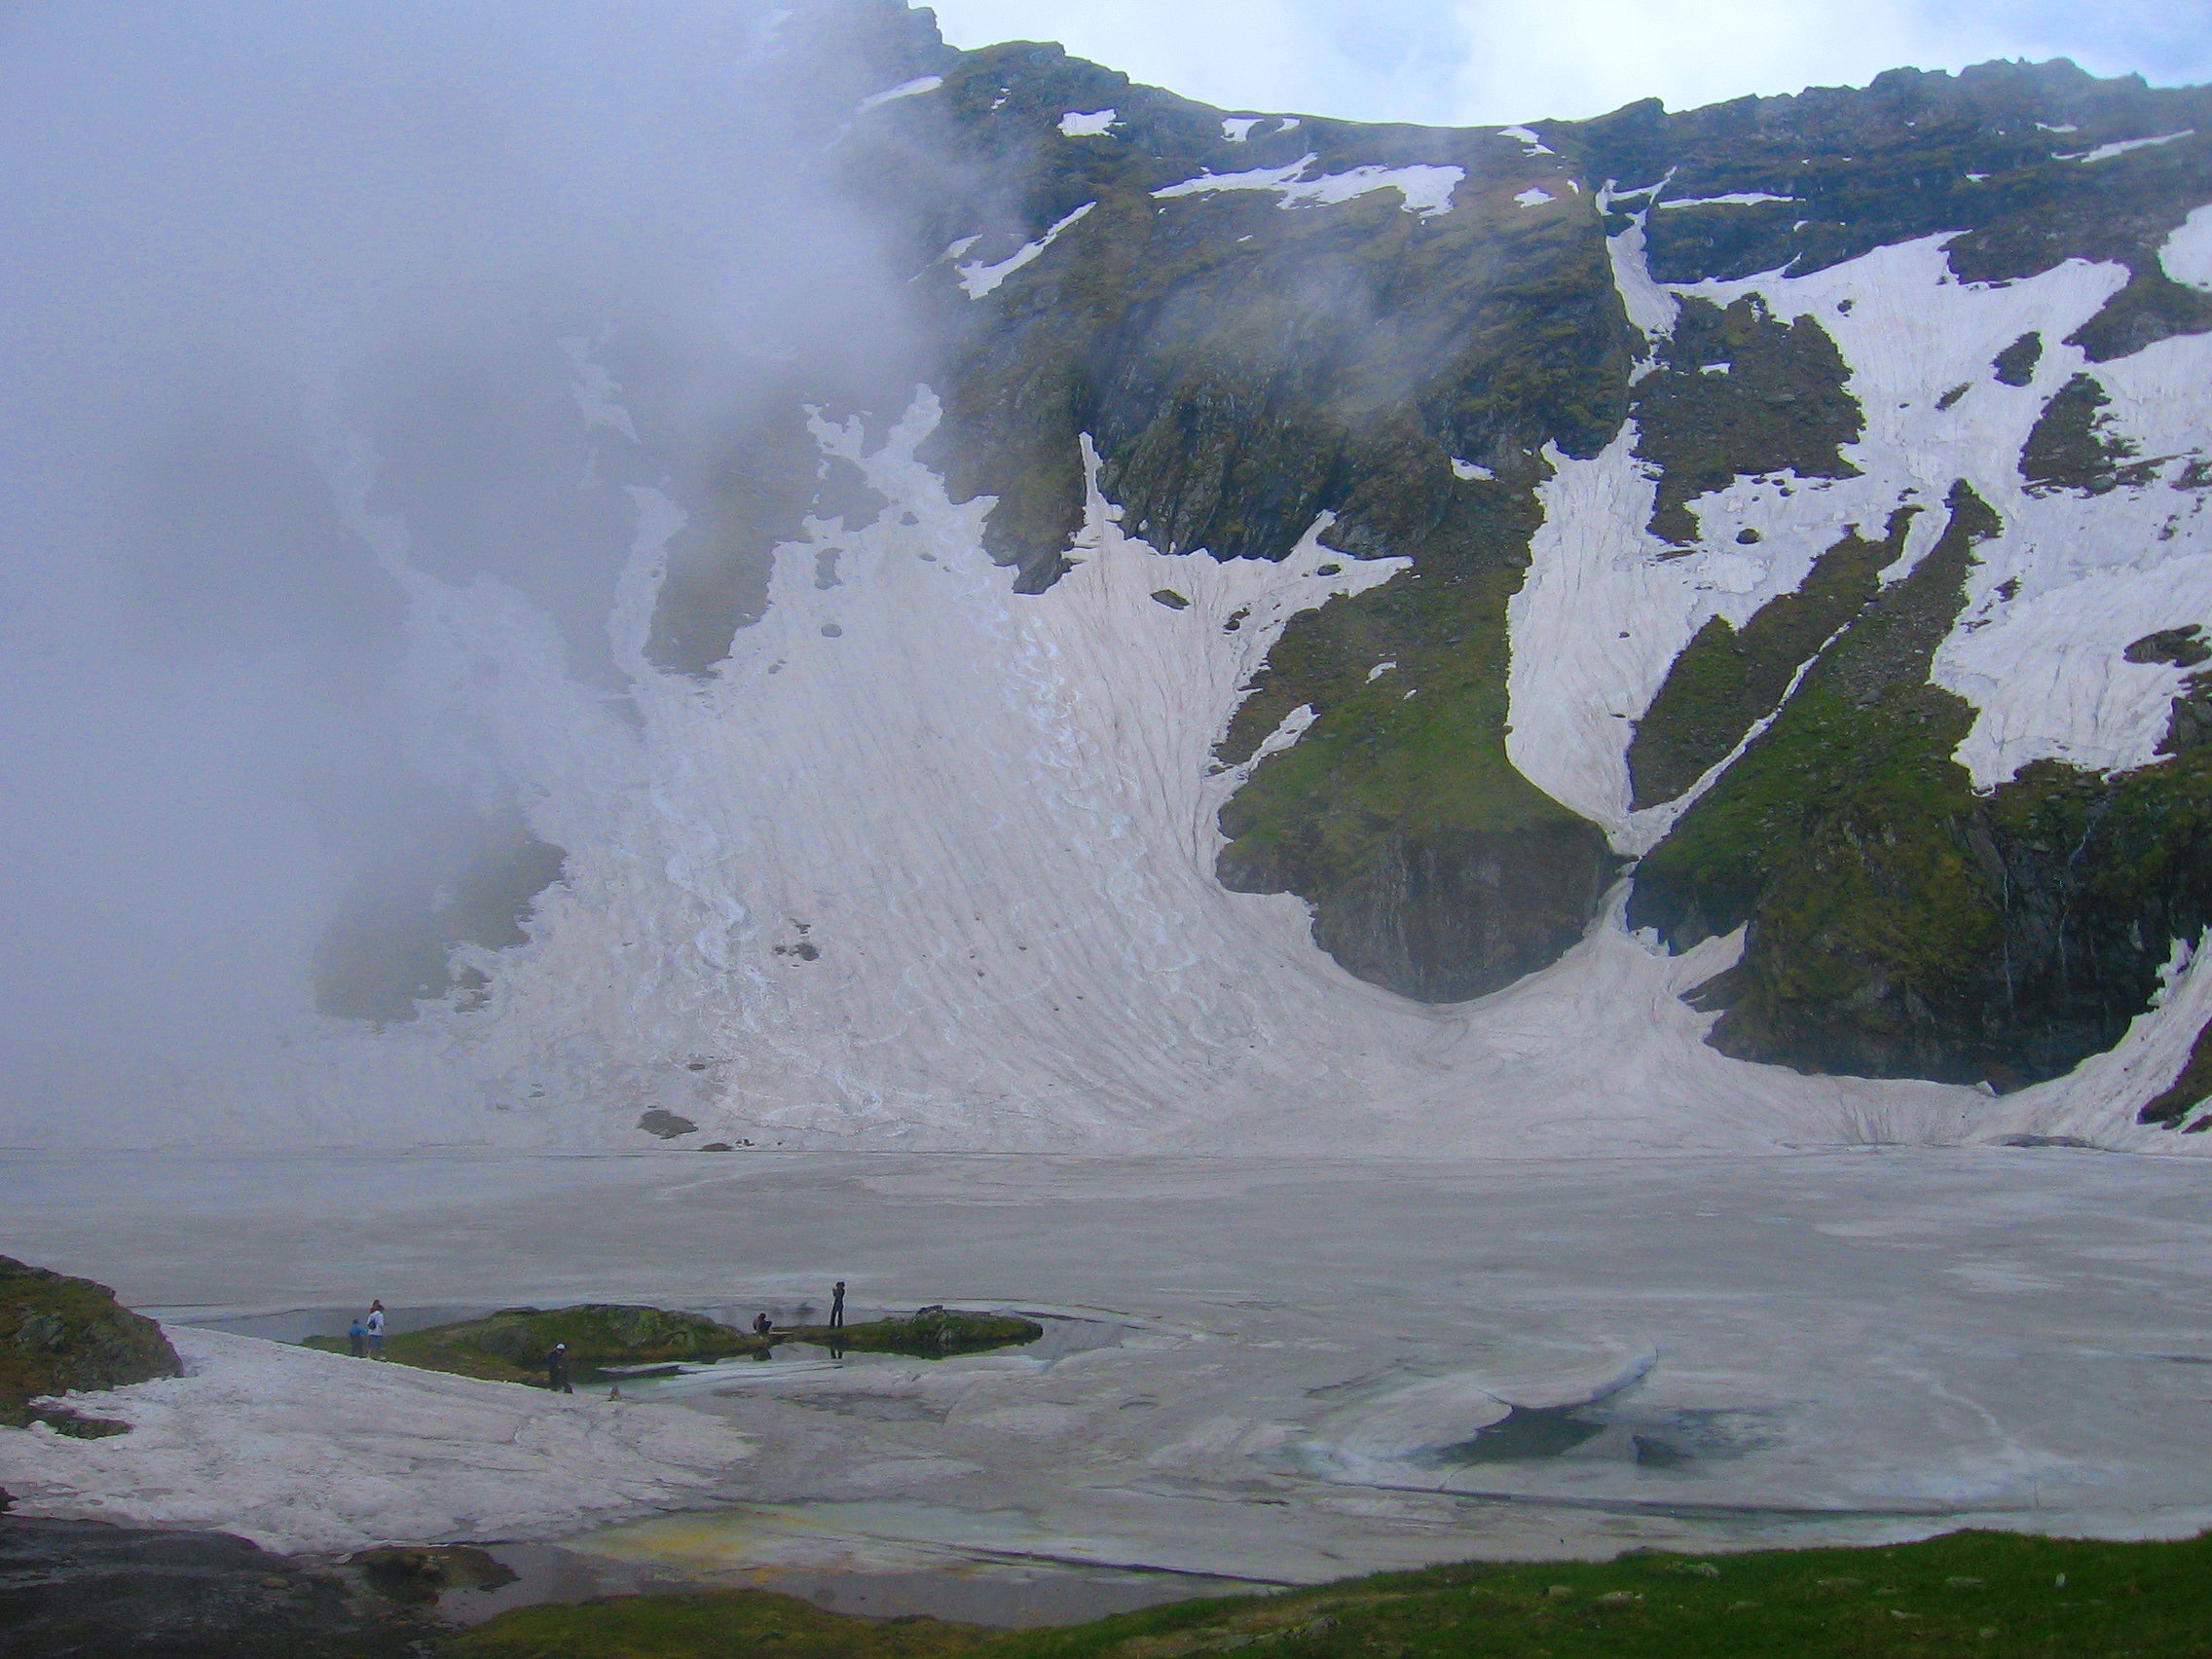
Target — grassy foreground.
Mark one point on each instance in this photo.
(1984, 1594)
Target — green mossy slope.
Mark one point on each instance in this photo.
(1725, 682)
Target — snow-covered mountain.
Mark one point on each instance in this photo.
(1665, 632)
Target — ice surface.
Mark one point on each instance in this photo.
(1078, 124)
(302, 1451)
(903, 89)
(2106, 152)
(1851, 1348)
(1425, 190)
(978, 279)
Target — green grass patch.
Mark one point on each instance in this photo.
(511, 1345)
(1726, 680)
(1980, 1593)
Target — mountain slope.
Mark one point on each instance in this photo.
(1322, 635)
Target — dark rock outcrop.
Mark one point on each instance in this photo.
(80, 1590)
(58, 1334)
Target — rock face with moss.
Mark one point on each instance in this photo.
(59, 1334)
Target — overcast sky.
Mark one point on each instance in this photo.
(1472, 62)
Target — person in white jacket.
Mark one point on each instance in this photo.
(375, 1327)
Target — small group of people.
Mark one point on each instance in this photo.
(365, 1339)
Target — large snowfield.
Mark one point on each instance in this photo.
(1848, 1347)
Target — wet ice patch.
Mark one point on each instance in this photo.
(1998, 1277)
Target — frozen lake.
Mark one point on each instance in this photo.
(1300, 1370)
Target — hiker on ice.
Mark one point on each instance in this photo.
(556, 1370)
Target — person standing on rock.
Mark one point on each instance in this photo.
(556, 1370)
(375, 1330)
(837, 1307)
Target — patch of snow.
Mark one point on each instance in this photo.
(2062, 126)
(1236, 128)
(1980, 178)
(1467, 471)
(978, 279)
(1651, 309)
(1077, 124)
(1532, 143)
(299, 1451)
(1288, 124)
(1716, 368)
(903, 89)
(2106, 152)
(2187, 256)
(1533, 197)
(598, 397)
(1379, 671)
(1735, 199)
(1425, 190)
